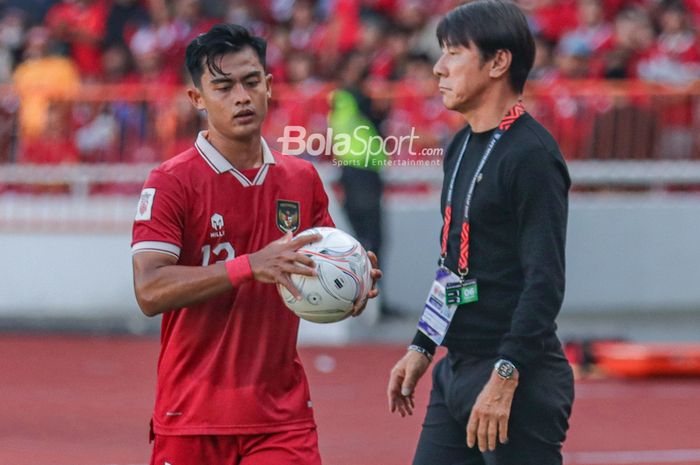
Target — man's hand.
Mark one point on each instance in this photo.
(376, 275)
(402, 382)
(489, 418)
(277, 260)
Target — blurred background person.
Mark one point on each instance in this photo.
(35, 91)
(12, 37)
(593, 30)
(675, 57)
(544, 68)
(124, 18)
(632, 40)
(417, 108)
(55, 144)
(33, 11)
(81, 25)
(573, 57)
(551, 18)
(118, 64)
(353, 116)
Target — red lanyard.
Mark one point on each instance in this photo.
(463, 264)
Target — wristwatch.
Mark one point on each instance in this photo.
(505, 369)
(421, 350)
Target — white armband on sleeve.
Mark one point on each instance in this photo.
(156, 246)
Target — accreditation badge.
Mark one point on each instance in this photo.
(460, 293)
(437, 312)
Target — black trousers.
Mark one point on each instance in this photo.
(538, 422)
(363, 205)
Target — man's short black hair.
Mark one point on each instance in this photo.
(221, 39)
(492, 25)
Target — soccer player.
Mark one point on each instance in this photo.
(212, 237)
(503, 394)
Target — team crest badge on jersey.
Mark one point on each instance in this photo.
(143, 211)
(287, 215)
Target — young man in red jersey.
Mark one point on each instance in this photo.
(212, 236)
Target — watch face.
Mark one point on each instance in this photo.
(505, 369)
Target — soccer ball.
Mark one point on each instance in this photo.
(343, 276)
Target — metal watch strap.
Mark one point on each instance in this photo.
(421, 350)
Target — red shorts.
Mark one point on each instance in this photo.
(297, 447)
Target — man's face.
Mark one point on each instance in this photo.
(235, 101)
(463, 77)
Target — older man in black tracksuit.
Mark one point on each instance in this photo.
(503, 394)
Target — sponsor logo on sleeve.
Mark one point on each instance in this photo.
(143, 211)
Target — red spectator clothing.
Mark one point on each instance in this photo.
(387, 7)
(382, 65)
(568, 118)
(348, 11)
(682, 47)
(419, 108)
(229, 365)
(305, 105)
(554, 19)
(612, 46)
(598, 40)
(49, 150)
(342, 31)
(73, 20)
(181, 34)
(167, 78)
(275, 62)
(674, 58)
(693, 7)
(613, 7)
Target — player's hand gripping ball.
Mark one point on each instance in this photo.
(342, 277)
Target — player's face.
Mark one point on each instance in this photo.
(463, 77)
(236, 100)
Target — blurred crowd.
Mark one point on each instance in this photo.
(60, 44)
(144, 40)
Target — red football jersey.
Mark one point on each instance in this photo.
(230, 365)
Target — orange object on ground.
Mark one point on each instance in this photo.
(648, 360)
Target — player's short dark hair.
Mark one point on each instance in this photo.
(218, 41)
(492, 25)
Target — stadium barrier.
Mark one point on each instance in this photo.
(632, 255)
(82, 180)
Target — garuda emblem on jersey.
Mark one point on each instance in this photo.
(287, 215)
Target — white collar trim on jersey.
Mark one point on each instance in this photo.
(220, 164)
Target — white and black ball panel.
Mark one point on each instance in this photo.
(337, 282)
(343, 276)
